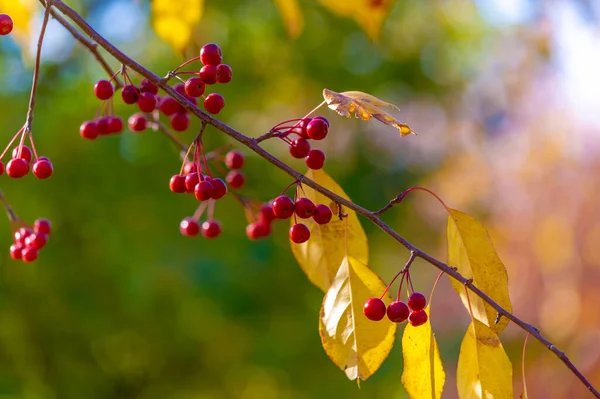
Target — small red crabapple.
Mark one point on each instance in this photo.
(88, 130)
(115, 124)
(6, 24)
(203, 190)
(180, 121)
(195, 87)
(397, 312)
(147, 102)
(224, 73)
(102, 126)
(299, 148)
(299, 233)
(315, 159)
(36, 240)
(17, 168)
(322, 214)
(177, 184)
(266, 213)
(16, 251)
(302, 127)
(22, 234)
(417, 301)
(234, 160)
(374, 309)
(137, 122)
(211, 229)
(29, 254)
(235, 179)
(147, 86)
(304, 208)
(214, 103)
(42, 169)
(417, 318)
(42, 226)
(1, 168)
(189, 227)
(209, 74)
(257, 230)
(25, 153)
(283, 207)
(191, 180)
(168, 106)
(130, 94)
(103, 89)
(219, 188)
(317, 128)
(211, 54)
(323, 119)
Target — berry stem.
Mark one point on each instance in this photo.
(174, 71)
(33, 146)
(404, 273)
(412, 257)
(11, 142)
(199, 211)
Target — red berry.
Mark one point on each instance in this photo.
(234, 160)
(203, 190)
(417, 301)
(25, 153)
(102, 126)
(214, 103)
(147, 102)
(374, 309)
(211, 54)
(6, 24)
(189, 167)
(29, 254)
(147, 86)
(299, 233)
(1, 168)
(235, 179)
(258, 230)
(115, 124)
(180, 88)
(42, 169)
(180, 122)
(103, 89)
(302, 127)
(224, 73)
(177, 184)
(304, 208)
(211, 229)
(397, 312)
(315, 159)
(42, 226)
(17, 168)
(323, 119)
(168, 106)
(191, 180)
(266, 213)
(195, 87)
(417, 318)
(21, 235)
(209, 74)
(322, 214)
(36, 240)
(130, 94)
(16, 251)
(88, 130)
(283, 207)
(317, 129)
(219, 188)
(189, 227)
(137, 122)
(299, 148)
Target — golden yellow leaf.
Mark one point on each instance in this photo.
(174, 21)
(484, 370)
(423, 375)
(354, 343)
(364, 106)
(22, 13)
(470, 249)
(369, 14)
(321, 256)
(291, 15)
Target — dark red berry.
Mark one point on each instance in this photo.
(16, 251)
(235, 179)
(6, 24)
(17, 168)
(180, 122)
(211, 54)
(234, 160)
(203, 190)
(322, 214)
(302, 127)
(304, 208)
(102, 126)
(208, 74)
(214, 103)
(194, 87)
(147, 102)
(130, 94)
(189, 227)
(137, 122)
(103, 89)
(317, 129)
(147, 86)
(315, 159)
(22, 234)
(42, 226)
(224, 73)
(323, 119)
(283, 207)
(29, 254)
(417, 301)
(211, 229)
(266, 213)
(36, 240)
(168, 106)
(219, 188)
(115, 124)
(299, 148)
(397, 312)
(374, 309)
(191, 180)
(25, 153)
(177, 184)
(180, 88)
(88, 130)
(299, 233)
(42, 169)
(417, 318)
(1, 168)
(257, 230)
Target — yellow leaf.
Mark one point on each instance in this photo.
(369, 14)
(484, 370)
(364, 106)
(174, 21)
(321, 256)
(354, 343)
(470, 249)
(292, 16)
(423, 375)
(22, 13)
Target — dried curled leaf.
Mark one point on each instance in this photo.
(364, 106)
(174, 21)
(354, 343)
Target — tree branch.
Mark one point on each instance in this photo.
(253, 144)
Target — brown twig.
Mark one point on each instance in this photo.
(252, 144)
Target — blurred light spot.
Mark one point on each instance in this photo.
(590, 252)
(58, 42)
(553, 243)
(120, 21)
(560, 312)
(502, 12)
(360, 56)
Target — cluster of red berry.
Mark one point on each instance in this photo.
(305, 129)
(29, 241)
(398, 311)
(284, 208)
(19, 165)
(6, 24)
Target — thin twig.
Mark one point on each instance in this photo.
(252, 144)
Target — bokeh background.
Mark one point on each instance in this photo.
(504, 97)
